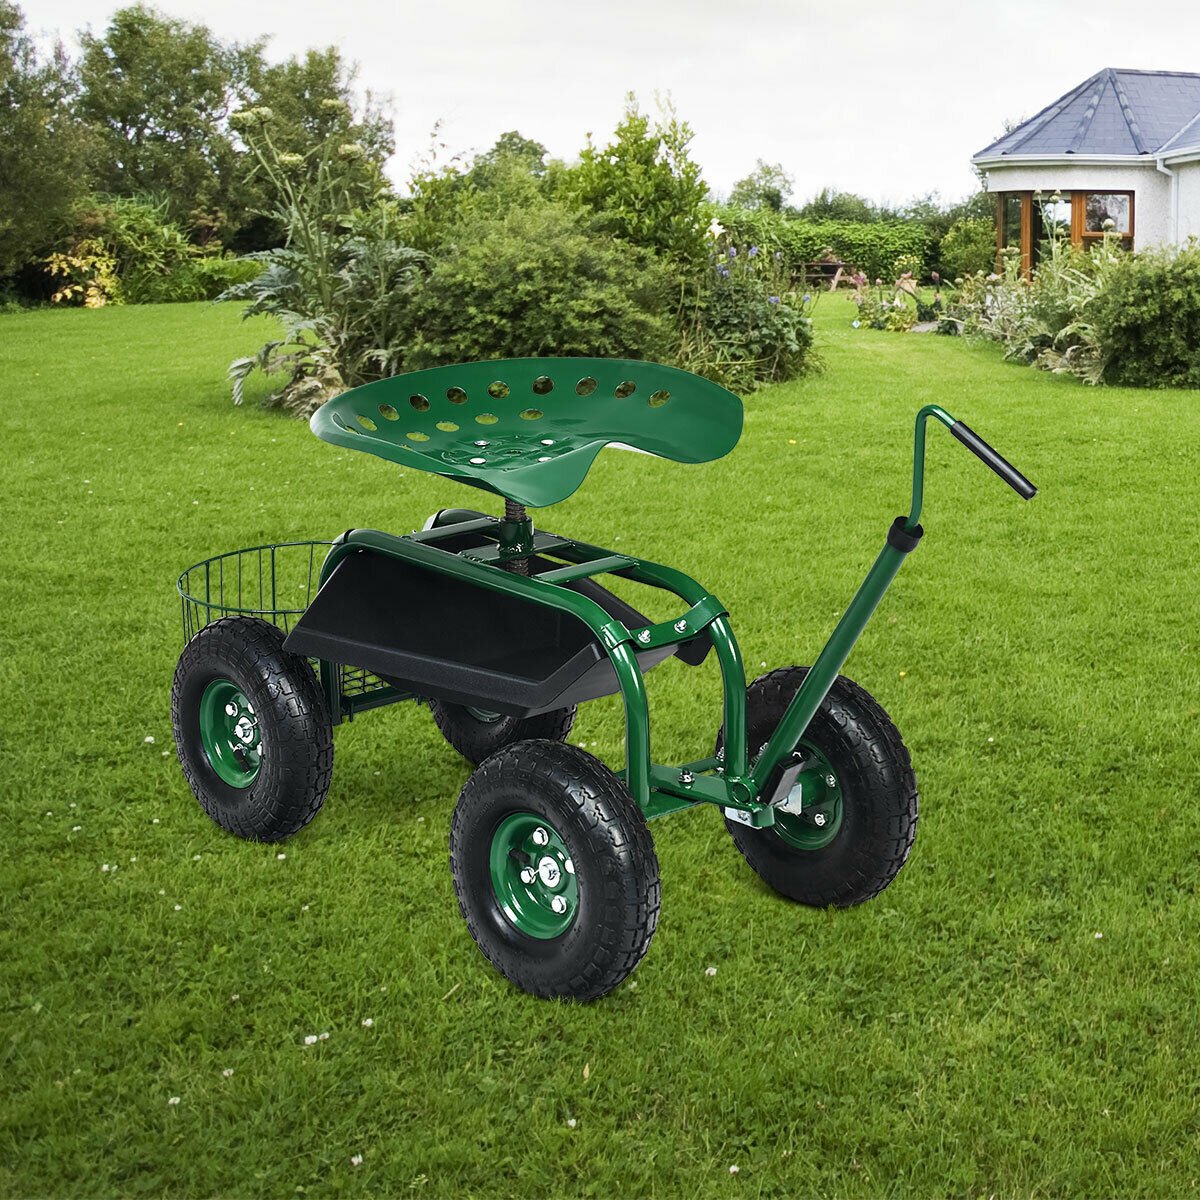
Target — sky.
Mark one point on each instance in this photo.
(889, 100)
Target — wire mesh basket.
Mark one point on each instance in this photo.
(275, 582)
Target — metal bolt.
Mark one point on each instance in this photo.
(481, 442)
(540, 836)
(559, 904)
(819, 819)
(528, 874)
(644, 635)
(686, 778)
(831, 780)
(721, 754)
(680, 626)
(231, 709)
(569, 867)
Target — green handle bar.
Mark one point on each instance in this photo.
(974, 443)
(902, 539)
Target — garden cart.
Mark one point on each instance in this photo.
(503, 630)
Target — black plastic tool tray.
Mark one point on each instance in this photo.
(437, 636)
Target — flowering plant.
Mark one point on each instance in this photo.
(742, 324)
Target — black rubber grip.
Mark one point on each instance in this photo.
(996, 461)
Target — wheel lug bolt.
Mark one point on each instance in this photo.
(540, 836)
(569, 867)
(528, 874)
(819, 820)
(231, 709)
(559, 905)
(831, 780)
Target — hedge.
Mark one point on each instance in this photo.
(871, 247)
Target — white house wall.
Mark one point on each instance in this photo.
(1151, 188)
(1189, 200)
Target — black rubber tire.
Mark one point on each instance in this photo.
(297, 736)
(879, 796)
(477, 740)
(613, 855)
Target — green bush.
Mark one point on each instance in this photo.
(538, 281)
(741, 327)
(874, 248)
(124, 249)
(1147, 319)
(969, 246)
(644, 186)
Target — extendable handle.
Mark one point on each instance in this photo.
(974, 443)
(994, 459)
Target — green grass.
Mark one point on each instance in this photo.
(967, 1033)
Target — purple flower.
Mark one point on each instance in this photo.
(772, 299)
(723, 272)
(807, 298)
(733, 252)
(752, 252)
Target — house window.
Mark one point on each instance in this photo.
(1025, 220)
(1107, 212)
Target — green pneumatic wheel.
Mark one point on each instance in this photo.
(477, 734)
(251, 729)
(850, 844)
(555, 870)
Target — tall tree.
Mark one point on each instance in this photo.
(42, 148)
(158, 92)
(767, 186)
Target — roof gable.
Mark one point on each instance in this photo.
(1115, 112)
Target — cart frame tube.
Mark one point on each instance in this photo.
(733, 782)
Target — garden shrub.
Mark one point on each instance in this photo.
(539, 281)
(123, 249)
(969, 246)
(741, 326)
(644, 186)
(1147, 319)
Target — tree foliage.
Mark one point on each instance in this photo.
(157, 92)
(645, 186)
(767, 186)
(42, 147)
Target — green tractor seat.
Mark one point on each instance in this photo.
(528, 429)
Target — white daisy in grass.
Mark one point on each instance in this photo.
(356, 1160)
(710, 971)
(173, 1101)
(571, 1122)
(310, 1039)
(367, 1022)
(227, 1072)
(149, 739)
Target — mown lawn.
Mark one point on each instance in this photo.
(1016, 1016)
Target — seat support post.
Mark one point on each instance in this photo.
(516, 538)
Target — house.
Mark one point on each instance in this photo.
(1123, 147)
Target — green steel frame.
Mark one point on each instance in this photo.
(730, 778)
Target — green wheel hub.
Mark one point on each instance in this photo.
(229, 733)
(821, 819)
(533, 876)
